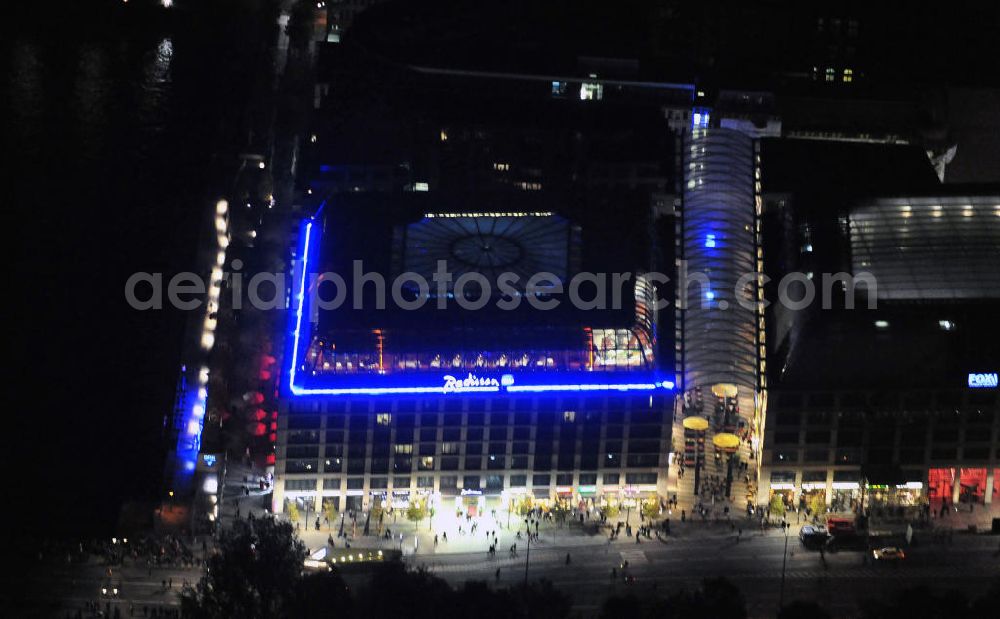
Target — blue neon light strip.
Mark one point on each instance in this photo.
(387, 390)
(300, 330)
(300, 302)
(575, 387)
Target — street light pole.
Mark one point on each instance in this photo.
(784, 559)
(527, 556)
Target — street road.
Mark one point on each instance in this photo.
(682, 560)
(754, 564)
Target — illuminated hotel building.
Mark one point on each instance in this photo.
(471, 410)
(607, 406)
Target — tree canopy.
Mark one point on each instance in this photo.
(255, 573)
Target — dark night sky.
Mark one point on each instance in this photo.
(109, 162)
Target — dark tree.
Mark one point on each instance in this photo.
(322, 595)
(254, 574)
(393, 591)
(722, 599)
(717, 598)
(917, 603)
(800, 609)
(987, 605)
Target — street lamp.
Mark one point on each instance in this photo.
(527, 556)
(784, 560)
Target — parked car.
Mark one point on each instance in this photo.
(889, 553)
(812, 536)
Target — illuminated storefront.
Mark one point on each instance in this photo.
(846, 495)
(783, 485)
(963, 485)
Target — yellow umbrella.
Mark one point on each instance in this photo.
(696, 423)
(725, 440)
(724, 390)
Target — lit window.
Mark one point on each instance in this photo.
(710, 241)
(946, 325)
(699, 118)
(848, 75)
(444, 135)
(383, 419)
(569, 416)
(591, 92)
(830, 74)
(558, 89)
(501, 167)
(881, 324)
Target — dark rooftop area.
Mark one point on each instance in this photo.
(613, 236)
(845, 349)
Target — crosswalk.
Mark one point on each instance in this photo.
(634, 557)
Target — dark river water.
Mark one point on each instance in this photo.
(115, 134)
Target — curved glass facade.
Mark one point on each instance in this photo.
(720, 322)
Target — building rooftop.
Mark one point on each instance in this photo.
(504, 232)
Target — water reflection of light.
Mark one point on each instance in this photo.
(157, 69)
(90, 101)
(156, 84)
(25, 83)
(164, 53)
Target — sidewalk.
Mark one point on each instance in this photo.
(419, 538)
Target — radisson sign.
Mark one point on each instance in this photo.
(469, 383)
